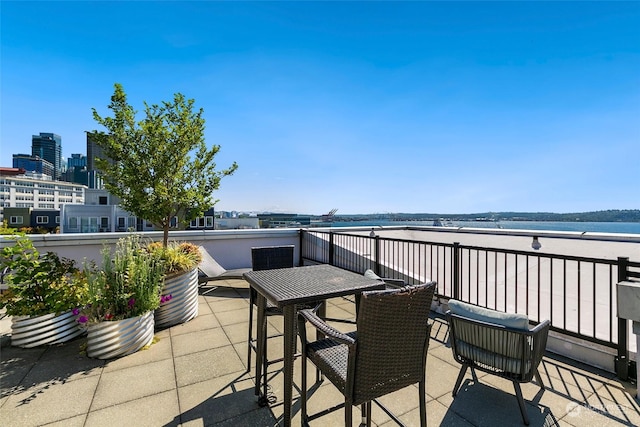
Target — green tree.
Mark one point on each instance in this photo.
(160, 166)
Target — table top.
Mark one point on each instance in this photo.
(298, 285)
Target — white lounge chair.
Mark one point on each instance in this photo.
(209, 269)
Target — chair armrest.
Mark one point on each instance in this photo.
(539, 328)
(328, 330)
(396, 283)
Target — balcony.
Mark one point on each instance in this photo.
(195, 374)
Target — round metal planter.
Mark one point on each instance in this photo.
(32, 331)
(183, 305)
(107, 340)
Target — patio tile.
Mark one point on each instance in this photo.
(206, 365)
(16, 364)
(218, 399)
(64, 362)
(198, 341)
(159, 350)
(133, 383)
(237, 332)
(157, 410)
(437, 415)
(45, 403)
(77, 421)
(233, 316)
(229, 304)
(199, 323)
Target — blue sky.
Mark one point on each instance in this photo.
(366, 107)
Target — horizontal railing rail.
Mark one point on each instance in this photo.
(576, 293)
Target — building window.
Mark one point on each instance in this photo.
(104, 223)
(73, 223)
(201, 222)
(174, 222)
(57, 219)
(194, 223)
(208, 221)
(102, 200)
(15, 220)
(42, 219)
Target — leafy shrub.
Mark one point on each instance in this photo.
(39, 283)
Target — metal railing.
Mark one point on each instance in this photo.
(577, 294)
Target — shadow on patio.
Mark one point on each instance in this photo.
(195, 374)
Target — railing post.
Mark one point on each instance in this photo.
(376, 255)
(622, 359)
(300, 261)
(456, 270)
(331, 250)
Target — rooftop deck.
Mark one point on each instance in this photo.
(195, 374)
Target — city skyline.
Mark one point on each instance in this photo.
(365, 107)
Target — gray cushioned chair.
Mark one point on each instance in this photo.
(387, 352)
(498, 343)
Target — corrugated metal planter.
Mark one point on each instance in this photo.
(107, 340)
(183, 305)
(32, 331)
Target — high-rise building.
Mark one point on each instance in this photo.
(93, 151)
(49, 147)
(33, 164)
(77, 161)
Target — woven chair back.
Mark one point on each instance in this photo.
(393, 337)
(271, 257)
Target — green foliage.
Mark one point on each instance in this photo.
(177, 257)
(5, 229)
(128, 284)
(149, 165)
(39, 284)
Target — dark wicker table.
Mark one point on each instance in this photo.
(287, 287)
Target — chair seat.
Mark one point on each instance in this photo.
(331, 358)
(492, 361)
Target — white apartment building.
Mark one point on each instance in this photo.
(37, 191)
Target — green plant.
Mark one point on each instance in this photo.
(39, 283)
(128, 284)
(160, 166)
(177, 257)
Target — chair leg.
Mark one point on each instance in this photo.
(473, 374)
(463, 370)
(365, 411)
(265, 362)
(422, 389)
(348, 418)
(249, 348)
(523, 409)
(539, 379)
(303, 392)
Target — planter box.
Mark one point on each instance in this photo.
(183, 306)
(107, 340)
(32, 331)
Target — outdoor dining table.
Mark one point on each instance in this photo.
(288, 287)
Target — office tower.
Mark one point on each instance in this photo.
(48, 146)
(33, 164)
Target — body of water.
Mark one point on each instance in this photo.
(593, 227)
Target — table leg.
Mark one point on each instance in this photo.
(261, 324)
(289, 312)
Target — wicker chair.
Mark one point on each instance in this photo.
(265, 258)
(497, 343)
(387, 352)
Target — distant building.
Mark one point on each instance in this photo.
(33, 164)
(36, 191)
(49, 147)
(283, 220)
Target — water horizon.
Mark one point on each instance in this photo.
(591, 227)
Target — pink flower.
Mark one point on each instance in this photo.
(76, 311)
(108, 316)
(83, 319)
(132, 301)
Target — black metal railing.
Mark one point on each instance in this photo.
(577, 294)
